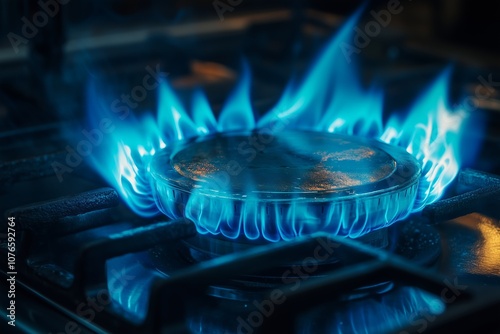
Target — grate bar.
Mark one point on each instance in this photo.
(90, 271)
(486, 191)
(39, 217)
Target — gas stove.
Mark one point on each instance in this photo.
(101, 269)
(302, 189)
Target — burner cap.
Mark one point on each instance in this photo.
(261, 186)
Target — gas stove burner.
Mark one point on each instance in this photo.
(257, 186)
(414, 240)
(202, 247)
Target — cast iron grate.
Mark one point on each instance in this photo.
(170, 296)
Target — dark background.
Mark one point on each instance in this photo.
(42, 84)
(43, 101)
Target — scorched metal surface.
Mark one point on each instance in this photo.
(285, 185)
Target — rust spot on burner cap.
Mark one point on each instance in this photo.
(307, 162)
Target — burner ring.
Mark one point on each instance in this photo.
(251, 186)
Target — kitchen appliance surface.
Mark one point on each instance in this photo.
(249, 167)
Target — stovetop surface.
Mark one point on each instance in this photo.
(86, 262)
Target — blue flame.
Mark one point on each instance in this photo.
(330, 98)
(431, 132)
(129, 284)
(203, 116)
(173, 119)
(122, 157)
(403, 307)
(237, 113)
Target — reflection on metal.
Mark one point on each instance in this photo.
(487, 247)
(293, 183)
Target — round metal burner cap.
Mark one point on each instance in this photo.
(261, 186)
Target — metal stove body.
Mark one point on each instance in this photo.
(85, 262)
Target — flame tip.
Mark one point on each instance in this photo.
(330, 97)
